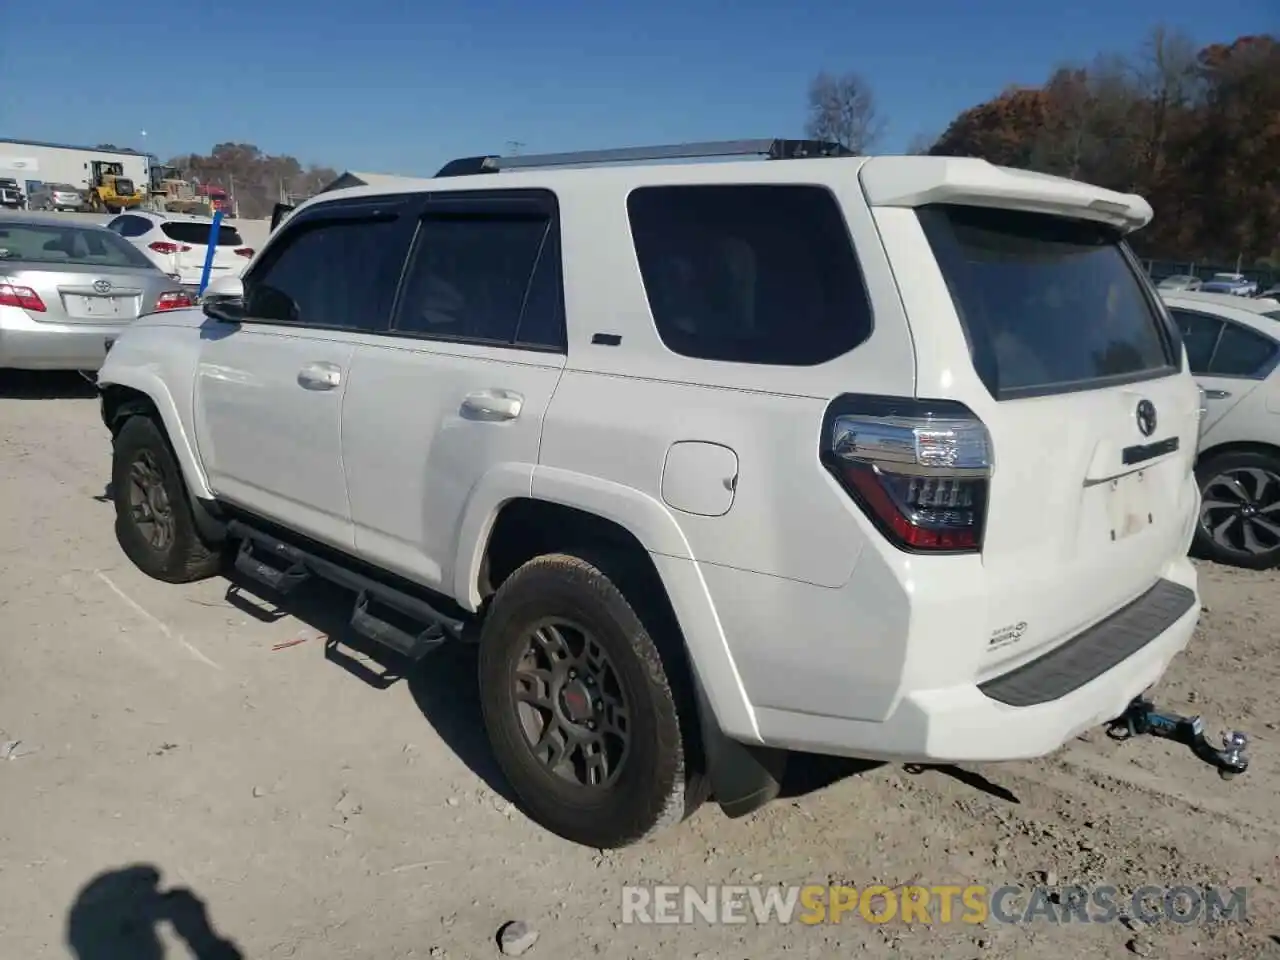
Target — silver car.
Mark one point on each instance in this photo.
(55, 196)
(67, 291)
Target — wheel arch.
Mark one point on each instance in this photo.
(144, 393)
(551, 509)
(1237, 446)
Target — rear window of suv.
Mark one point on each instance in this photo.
(198, 233)
(1048, 304)
(749, 273)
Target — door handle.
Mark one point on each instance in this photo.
(1216, 394)
(320, 376)
(493, 404)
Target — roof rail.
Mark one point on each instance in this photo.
(776, 149)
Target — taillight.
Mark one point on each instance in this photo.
(164, 246)
(244, 251)
(919, 469)
(24, 297)
(174, 301)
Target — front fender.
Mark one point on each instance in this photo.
(146, 381)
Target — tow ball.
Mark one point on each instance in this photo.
(1142, 717)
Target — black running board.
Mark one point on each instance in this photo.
(388, 616)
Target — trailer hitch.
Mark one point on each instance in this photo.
(1141, 717)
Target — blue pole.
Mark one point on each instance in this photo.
(213, 246)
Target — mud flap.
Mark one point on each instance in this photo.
(743, 778)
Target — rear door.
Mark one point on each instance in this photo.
(461, 383)
(1228, 359)
(1075, 370)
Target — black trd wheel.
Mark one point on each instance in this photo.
(579, 707)
(154, 524)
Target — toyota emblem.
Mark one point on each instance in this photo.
(1147, 417)
(102, 286)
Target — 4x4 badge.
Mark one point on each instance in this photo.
(1146, 417)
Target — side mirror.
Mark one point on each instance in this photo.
(225, 288)
(278, 213)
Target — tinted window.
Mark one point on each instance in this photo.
(53, 243)
(1048, 304)
(1241, 353)
(487, 278)
(1199, 335)
(750, 274)
(198, 233)
(339, 274)
(128, 226)
(1272, 314)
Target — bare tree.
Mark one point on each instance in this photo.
(843, 109)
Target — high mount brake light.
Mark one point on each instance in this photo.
(919, 469)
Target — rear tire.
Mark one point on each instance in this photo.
(154, 523)
(581, 709)
(1239, 522)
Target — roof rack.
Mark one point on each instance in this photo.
(776, 149)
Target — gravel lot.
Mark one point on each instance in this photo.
(319, 809)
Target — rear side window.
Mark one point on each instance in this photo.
(1048, 304)
(1242, 353)
(338, 274)
(198, 233)
(749, 273)
(1217, 347)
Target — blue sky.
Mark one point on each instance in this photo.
(400, 87)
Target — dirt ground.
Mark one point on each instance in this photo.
(178, 781)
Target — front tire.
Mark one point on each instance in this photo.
(154, 523)
(1239, 521)
(580, 707)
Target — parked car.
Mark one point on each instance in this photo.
(1235, 284)
(1271, 293)
(56, 196)
(635, 430)
(65, 291)
(1180, 282)
(11, 195)
(177, 243)
(1233, 347)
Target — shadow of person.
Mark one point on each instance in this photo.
(117, 914)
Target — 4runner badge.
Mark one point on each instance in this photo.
(1007, 635)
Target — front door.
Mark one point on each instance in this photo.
(269, 390)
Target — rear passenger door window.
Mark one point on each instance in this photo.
(1221, 348)
(756, 273)
(336, 269)
(485, 270)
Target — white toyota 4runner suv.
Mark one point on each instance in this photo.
(883, 457)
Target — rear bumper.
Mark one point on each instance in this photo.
(27, 344)
(962, 723)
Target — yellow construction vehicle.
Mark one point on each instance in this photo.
(110, 190)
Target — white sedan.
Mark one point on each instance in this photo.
(178, 243)
(1233, 347)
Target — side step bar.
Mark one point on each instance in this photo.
(383, 614)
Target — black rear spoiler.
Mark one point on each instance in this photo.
(278, 212)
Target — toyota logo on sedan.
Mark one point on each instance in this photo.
(102, 286)
(1147, 417)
